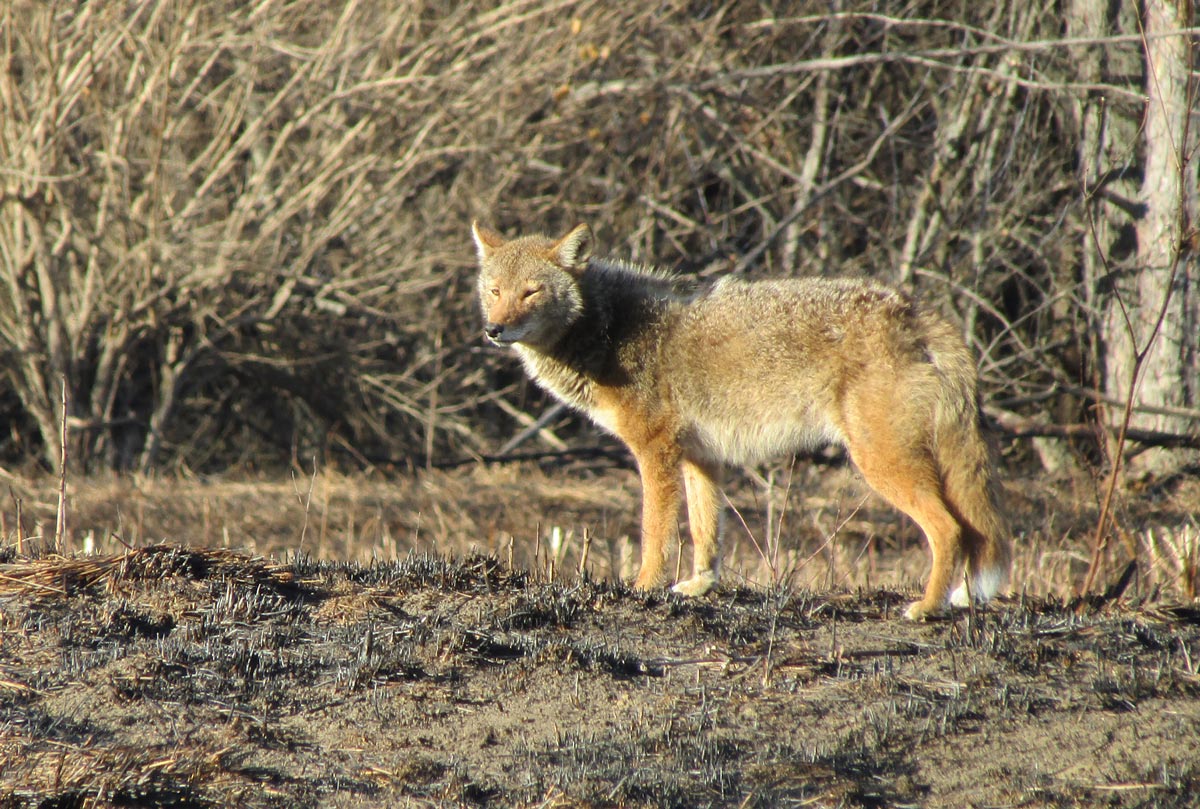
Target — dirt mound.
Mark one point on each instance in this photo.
(173, 677)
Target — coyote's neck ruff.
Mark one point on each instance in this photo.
(694, 379)
(621, 308)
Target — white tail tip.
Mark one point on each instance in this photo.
(986, 584)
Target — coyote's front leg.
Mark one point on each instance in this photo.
(659, 467)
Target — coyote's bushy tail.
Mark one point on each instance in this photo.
(967, 469)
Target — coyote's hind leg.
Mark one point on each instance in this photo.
(908, 479)
(704, 519)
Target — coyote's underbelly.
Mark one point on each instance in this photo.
(739, 438)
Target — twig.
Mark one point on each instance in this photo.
(305, 501)
(583, 558)
(931, 57)
(20, 526)
(432, 410)
(581, 453)
(533, 428)
(1015, 425)
(26, 582)
(60, 522)
(537, 545)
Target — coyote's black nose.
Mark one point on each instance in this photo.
(493, 331)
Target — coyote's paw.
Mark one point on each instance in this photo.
(696, 586)
(920, 611)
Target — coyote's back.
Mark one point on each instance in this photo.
(692, 380)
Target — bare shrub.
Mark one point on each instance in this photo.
(208, 227)
(239, 231)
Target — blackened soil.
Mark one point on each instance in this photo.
(171, 677)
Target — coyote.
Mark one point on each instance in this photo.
(695, 377)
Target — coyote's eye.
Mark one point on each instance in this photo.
(531, 291)
(494, 292)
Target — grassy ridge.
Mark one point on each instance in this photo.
(171, 677)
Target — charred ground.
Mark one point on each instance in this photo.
(167, 676)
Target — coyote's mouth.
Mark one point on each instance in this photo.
(501, 340)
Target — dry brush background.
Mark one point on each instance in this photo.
(234, 236)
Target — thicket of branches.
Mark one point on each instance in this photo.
(239, 233)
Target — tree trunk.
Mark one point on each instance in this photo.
(1166, 303)
(1137, 267)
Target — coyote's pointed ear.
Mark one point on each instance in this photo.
(573, 250)
(486, 241)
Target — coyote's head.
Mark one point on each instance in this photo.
(528, 287)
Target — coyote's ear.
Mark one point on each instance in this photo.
(573, 250)
(486, 241)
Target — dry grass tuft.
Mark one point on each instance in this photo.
(64, 576)
(82, 776)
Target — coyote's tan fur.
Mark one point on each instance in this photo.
(693, 378)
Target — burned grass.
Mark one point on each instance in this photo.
(172, 677)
